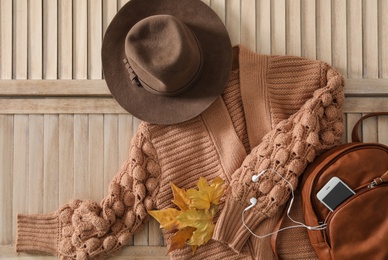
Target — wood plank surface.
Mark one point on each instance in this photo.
(6, 25)
(63, 136)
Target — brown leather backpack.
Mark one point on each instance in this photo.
(358, 227)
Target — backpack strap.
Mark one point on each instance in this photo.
(355, 135)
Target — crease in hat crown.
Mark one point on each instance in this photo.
(164, 54)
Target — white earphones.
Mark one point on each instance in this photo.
(253, 201)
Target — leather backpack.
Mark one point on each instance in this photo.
(358, 227)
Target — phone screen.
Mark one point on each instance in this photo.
(337, 195)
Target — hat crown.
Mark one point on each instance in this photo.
(164, 54)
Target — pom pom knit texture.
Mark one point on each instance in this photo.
(304, 100)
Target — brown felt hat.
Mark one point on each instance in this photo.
(166, 61)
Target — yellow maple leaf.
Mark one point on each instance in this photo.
(180, 197)
(167, 218)
(206, 195)
(202, 221)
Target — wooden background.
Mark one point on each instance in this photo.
(63, 136)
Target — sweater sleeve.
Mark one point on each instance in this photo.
(287, 149)
(83, 229)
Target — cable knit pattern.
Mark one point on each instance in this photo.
(288, 148)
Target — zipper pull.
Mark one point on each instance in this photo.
(377, 181)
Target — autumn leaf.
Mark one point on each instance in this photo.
(194, 220)
(206, 195)
(167, 218)
(178, 240)
(202, 221)
(180, 198)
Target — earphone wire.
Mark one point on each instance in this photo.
(299, 224)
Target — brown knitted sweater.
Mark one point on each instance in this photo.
(276, 112)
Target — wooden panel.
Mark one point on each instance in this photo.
(293, 27)
(324, 32)
(65, 40)
(355, 62)
(6, 25)
(51, 165)
(370, 38)
(50, 39)
(6, 178)
(62, 135)
(308, 13)
(20, 14)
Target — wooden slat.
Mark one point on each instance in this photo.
(370, 40)
(366, 87)
(81, 159)
(354, 29)
(6, 39)
(66, 158)
(309, 29)
(248, 24)
(383, 38)
(369, 129)
(20, 180)
(35, 164)
(111, 152)
(35, 33)
(60, 106)
(263, 25)
(365, 105)
(65, 40)
(20, 33)
(293, 27)
(53, 88)
(51, 158)
(94, 39)
(324, 30)
(6, 178)
(278, 23)
(339, 33)
(50, 39)
(80, 43)
(97, 190)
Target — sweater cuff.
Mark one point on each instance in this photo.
(38, 233)
(229, 228)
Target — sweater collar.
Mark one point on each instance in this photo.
(253, 86)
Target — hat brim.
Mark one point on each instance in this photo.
(217, 61)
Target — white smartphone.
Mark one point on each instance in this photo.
(334, 193)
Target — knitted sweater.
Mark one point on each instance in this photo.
(276, 112)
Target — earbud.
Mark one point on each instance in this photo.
(253, 202)
(255, 178)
